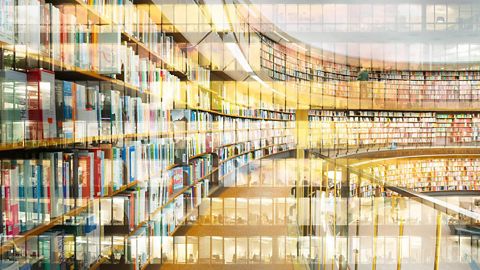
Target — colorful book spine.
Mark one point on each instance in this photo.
(41, 105)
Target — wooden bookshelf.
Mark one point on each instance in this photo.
(428, 174)
(392, 129)
(6, 247)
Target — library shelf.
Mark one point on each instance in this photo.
(132, 88)
(240, 116)
(69, 72)
(59, 142)
(125, 36)
(46, 143)
(251, 150)
(255, 159)
(190, 213)
(155, 213)
(5, 247)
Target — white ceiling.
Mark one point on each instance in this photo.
(415, 32)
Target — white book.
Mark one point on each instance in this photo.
(109, 48)
(7, 21)
(86, 124)
(55, 33)
(33, 25)
(21, 22)
(80, 122)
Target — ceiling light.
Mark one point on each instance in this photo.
(264, 84)
(237, 53)
(256, 78)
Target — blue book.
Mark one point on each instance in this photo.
(123, 154)
(37, 187)
(66, 185)
(133, 163)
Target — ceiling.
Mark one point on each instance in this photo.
(384, 33)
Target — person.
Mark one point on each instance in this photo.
(293, 190)
(190, 258)
(342, 264)
(306, 187)
(362, 75)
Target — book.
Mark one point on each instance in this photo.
(109, 40)
(86, 109)
(10, 196)
(52, 163)
(64, 100)
(179, 210)
(176, 182)
(42, 123)
(7, 21)
(13, 113)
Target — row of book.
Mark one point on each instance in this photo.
(67, 245)
(50, 184)
(227, 152)
(429, 174)
(134, 206)
(68, 34)
(390, 114)
(192, 120)
(329, 129)
(243, 111)
(64, 187)
(287, 64)
(35, 106)
(227, 168)
(78, 110)
(426, 75)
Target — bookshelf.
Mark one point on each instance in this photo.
(427, 174)
(363, 130)
(335, 86)
(113, 129)
(121, 129)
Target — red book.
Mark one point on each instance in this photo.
(97, 171)
(11, 207)
(132, 211)
(41, 105)
(208, 143)
(84, 175)
(46, 183)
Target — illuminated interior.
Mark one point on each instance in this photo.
(144, 134)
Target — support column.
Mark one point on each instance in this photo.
(399, 244)
(345, 184)
(302, 139)
(302, 132)
(275, 250)
(438, 237)
(302, 189)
